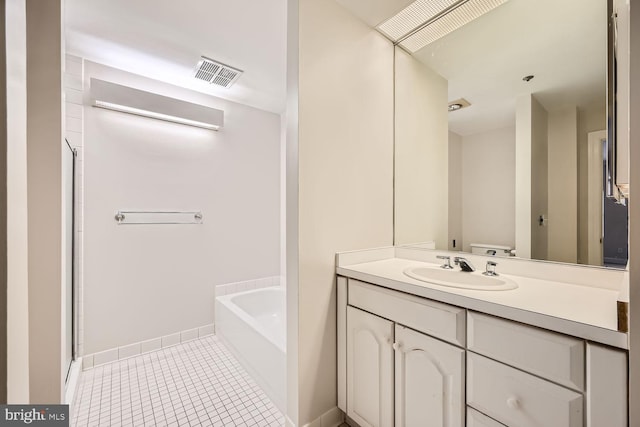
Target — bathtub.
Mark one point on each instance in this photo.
(252, 325)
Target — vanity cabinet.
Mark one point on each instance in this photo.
(429, 381)
(406, 361)
(397, 376)
(369, 369)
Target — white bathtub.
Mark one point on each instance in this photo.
(252, 325)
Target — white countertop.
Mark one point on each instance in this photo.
(584, 311)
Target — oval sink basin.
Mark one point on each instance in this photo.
(459, 279)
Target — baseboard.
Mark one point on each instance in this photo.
(130, 350)
(332, 418)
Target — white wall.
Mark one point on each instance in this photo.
(455, 192)
(17, 235)
(563, 185)
(539, 179)
(421, 153)
(145, 281)
(488, 188)
(342, 181)
(44, 189)
(589, 120)
(523, 176)
(531, 177)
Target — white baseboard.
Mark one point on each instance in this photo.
(332, 418)
(124, 352)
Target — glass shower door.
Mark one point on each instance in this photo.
(68, 165)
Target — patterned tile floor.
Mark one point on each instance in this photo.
(197, 383)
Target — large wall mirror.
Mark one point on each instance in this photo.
(501, 135)
(502, 114)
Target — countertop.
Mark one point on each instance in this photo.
(587, 312)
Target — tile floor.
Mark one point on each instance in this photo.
(197, 383)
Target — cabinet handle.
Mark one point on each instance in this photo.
(513, 403)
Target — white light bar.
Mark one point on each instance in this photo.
(116, 97)
(413, 16)
(449, 22)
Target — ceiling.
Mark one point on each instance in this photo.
(561, 42)
(164, 39)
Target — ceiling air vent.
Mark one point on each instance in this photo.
(216, 72)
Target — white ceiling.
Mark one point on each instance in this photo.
(561, 42)
(164, 39)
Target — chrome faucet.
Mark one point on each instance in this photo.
(491, 269)
(464, 264)
(447, 264)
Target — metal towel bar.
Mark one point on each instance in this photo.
(158, 217)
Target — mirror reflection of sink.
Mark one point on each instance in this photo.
(458, 279)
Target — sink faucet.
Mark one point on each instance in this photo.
(447, 263)
(464, 264)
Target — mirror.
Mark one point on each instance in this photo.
(516, 166)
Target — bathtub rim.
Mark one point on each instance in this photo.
(226, 300)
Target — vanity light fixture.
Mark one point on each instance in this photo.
(128, 100)
(425, 21)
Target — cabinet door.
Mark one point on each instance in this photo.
(429, 381)
(607, 386)
(369, 369)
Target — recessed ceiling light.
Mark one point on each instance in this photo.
(413, 16)
(458, 104)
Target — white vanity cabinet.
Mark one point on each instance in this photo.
(407, 361)
(429, 381)
(369, 369)
(397, 376)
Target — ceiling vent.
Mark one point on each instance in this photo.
(216, 73)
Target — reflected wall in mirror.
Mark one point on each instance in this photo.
(521, 167)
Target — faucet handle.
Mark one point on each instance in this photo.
(447, 264)
(491, 269)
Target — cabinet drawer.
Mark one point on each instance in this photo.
(518, 399)
(433, 318)
(478, 419)
(556, 357)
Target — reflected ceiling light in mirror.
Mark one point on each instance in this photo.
(413, 16)
(458, 104)
(128, 100)
(461, 13)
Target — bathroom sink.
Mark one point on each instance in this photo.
(460, 279)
